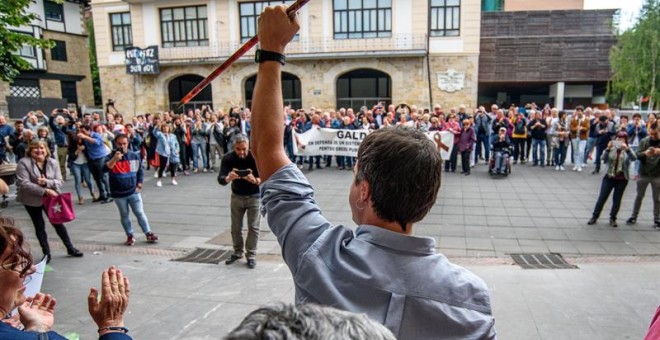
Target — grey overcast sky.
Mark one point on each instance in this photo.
(629, 9)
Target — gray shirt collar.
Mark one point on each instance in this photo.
(393, 240)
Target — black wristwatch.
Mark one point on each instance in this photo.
(263, 55)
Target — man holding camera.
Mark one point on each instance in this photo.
(239, 168)
(125, 170)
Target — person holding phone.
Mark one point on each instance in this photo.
(618, 156)
(125, 172)
(239, 168)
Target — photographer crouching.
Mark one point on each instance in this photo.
(239, 168)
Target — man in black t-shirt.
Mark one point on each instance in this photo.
(239, 168)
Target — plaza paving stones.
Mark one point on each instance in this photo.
(477, 221)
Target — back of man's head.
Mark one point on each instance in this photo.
(307, 322)
(402, 167)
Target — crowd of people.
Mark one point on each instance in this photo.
(381, 269)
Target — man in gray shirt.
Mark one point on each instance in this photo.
(381, 269)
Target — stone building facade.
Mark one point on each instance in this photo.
(420, 53)
(61, 76)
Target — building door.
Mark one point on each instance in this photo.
(180, 86)
(363, 87)
(290, 90)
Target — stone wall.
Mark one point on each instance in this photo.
(147, 93)
(77, 52)
(465, 64)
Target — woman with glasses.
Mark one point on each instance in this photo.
(38, 175)
(36, 314)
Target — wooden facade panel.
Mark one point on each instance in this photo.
(546, 46)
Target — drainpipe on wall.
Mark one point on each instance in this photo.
(428, 68)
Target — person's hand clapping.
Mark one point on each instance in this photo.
(115, 292)
(37, 314)
(276, 29)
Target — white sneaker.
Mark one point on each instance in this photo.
(204, 170)
(159, 184)
(174, 181)
(156, 174)
(557, 168)
(575, 168)
(195, 170)
(561, 168)
(579, 169)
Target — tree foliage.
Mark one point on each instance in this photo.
(13, 14)
(635, 59)
(96, 79)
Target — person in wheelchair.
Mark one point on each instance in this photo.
(501, 149)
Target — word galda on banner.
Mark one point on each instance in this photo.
(331, 142)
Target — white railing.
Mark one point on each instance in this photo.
(222, 49)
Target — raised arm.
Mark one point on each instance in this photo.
(276, 29)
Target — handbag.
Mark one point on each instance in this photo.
(155, 162)
(59, 209)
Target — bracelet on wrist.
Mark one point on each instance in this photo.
(114, 328)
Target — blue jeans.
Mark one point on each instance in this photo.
(485, 140)
(591, 142)
(560, 153)
(135, 203)
(536, 143)
(196, 151)
(80, 173)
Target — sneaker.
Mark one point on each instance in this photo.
(130, 240)
(557, 168)
(575, 168)
(186, 173)
(613, 223)
(195, 171)
(561, 168)
(592, 221)
(174, 182)
(159, 183)
(151, 237)
(579, 169)
(156, 174)
(107, 200)
(251, 263)
(211, 170)
(204, 170)
(657, 225)
(631, 220)
(233, 259)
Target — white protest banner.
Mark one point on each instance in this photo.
(330, 142)
(444, 140)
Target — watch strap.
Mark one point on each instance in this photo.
(263, 55)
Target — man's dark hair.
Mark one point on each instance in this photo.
(120, 136)
(402, 167)
(308, 322)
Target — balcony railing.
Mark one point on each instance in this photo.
(400, 44)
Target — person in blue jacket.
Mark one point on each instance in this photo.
(36, 314)
(124, 168)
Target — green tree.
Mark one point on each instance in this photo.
(96, 79)
(13, 14)
(635, 59)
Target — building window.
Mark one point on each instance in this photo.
(363, 87)
(445, 18)
(69, 92)
(249, 12)
(362, 19)
(53, 11)
(59, 51)
(120, 26)
(291, 90)
(25, 88)
(184, 26)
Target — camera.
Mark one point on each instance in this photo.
(617, 144)
(115, 150)
(242, 173)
